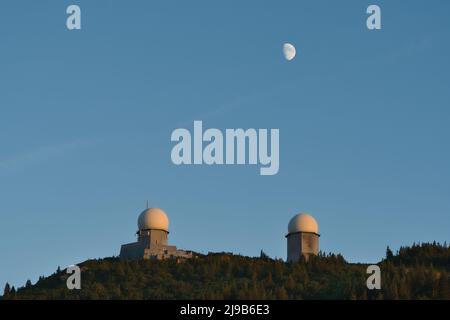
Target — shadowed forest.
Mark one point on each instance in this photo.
(421, 271)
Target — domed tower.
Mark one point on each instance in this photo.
(302, 238)
(153, 231)
(153, 227)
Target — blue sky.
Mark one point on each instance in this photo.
(86, 118)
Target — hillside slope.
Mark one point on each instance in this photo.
(417, 272)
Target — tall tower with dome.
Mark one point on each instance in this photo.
(302, 238)
(152, 238)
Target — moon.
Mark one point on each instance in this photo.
(289, 51)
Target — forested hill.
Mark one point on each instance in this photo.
(417, 272)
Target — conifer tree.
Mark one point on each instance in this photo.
(7, 290)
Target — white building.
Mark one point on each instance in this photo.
(153, 231)
(302, 238)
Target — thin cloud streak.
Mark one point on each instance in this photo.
(44, 153)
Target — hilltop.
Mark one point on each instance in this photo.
(416, 272)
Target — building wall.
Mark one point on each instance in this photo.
(165, 252)
(153, 237)
(131, 251)
(302, 243)
(151, 244)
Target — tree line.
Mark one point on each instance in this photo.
(421, 271)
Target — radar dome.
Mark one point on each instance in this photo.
(303, 222)
(153, 218)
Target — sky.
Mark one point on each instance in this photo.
(86, 118)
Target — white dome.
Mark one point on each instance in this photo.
(153, 218)
(303, 222)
